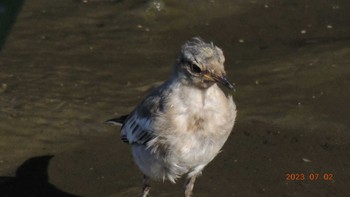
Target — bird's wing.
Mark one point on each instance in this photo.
(138, 128)
(117, 121)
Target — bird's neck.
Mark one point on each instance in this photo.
(191, 82)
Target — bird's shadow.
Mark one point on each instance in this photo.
(31, 180)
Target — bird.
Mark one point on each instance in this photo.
(179, 127)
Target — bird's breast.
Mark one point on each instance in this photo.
(193, 110)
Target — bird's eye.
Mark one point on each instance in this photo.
(195, 68)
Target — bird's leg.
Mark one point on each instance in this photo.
(189, 186)
(146, 186)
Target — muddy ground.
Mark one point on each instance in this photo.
(66, 66)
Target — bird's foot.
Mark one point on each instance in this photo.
(189, 186)
(146, 186)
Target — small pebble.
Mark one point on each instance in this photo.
(335, 7)
(306, 160)
(3, 87)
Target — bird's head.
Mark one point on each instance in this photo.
(202, 64)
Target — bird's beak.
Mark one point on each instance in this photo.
(220, 79)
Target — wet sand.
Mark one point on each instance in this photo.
(67, 66)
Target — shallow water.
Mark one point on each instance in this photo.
(67, 66)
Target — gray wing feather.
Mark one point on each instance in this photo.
(138, 128)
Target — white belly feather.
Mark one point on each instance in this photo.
(194, 119)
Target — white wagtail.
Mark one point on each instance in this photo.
(182, 125)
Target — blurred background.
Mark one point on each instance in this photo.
(66, 66)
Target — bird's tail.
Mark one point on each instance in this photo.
(117, 121)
